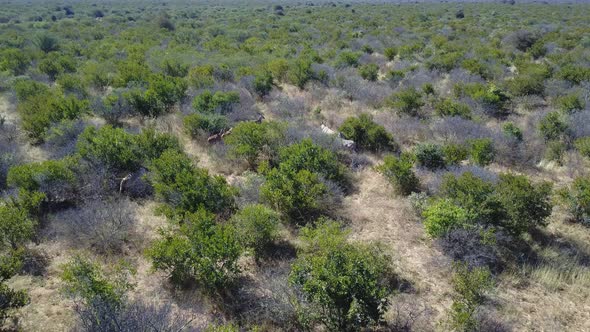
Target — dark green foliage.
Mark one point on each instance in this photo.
(583, 146)
(200, 250)
(151, 144)
(444, 62)
(470, 286)
(39, 112)
(526, 84)
(14, 60)
(204, 124)
(448, 107)
(428, 89)
(430, 156)
(113, 147)
(263, 83)
(526, 205)
(512, 131)
(185, 188)
(577, 200)
(370, 71)
(574, 74)
(553, 126)
(221, 102)
(367, 134)
(408, 101)
(17, 219)
(26, 89)
(454, 154)
(44, 176)
(257, 227)
(570, 103)
(481, 151)
(54, 65)
(47, 43)
(344, 284)
(307, 156)
(398, 172)
(299, 72)
(162, 94)
(489, 95)
(256, 141)
(555, 151)
(442, 216)
(300, 195)
(348, 59)
(390, 53)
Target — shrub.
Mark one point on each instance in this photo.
(454, 154)
(552, 126)
(27, 88)
(300, 195)
(470, 286)
(430, 156)
(447, 107)
(204, 124)
(369, 72)
(574, 74)
(263, 83)
(54, 178)
(474, 195)
(255, 141)
(577, 200)
(570, 103)
(398, 172)
(428, 89)
(512, 131)
(222, 102)
(54, 65)
(526, 84)
(112, 108)
(390, 53)
(201, 250)
(555, 151)
(305, 155)
(526, 205)
(322, 266)
(367, 134)
(300, 72)
(481, 151)
(151, 144)
(408, 101)
(113, 147)
(201, 76)
(442, 216)
(17, 219)
(185, 188)
(348, 59)
(257, 227)
(14, 60)
(47, 43)
(583, 146)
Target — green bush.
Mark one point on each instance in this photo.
(263, 83)
(17, 219)
(454, 154)
(481, 151)
(525, 85)
(474, 195)
(201, 76)
(14, 60)
(151, 144)
(408, 101)
(27, 88)
(526, 205)
(430, 156)
(300, 195)
(448, 107)
(113, 147)
(299, 72)
(185, 188)
(398, 172)
(367, 134)
(512, 131)
(43, 176)
(344, 284)
(583, 146)
(348, 59)
(54, 65)
(369, 72)
(200, 250)
(255, 141)
(574, 74)
(553, 126)
(305, 155)
(570, 103)
(257, 227)
(470, 286)
(221, 102)
(47, 43)
(577, 200)
(204, 124)
(442, 216)
(390, 53)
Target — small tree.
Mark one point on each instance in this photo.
(577, 200)
(47, 43)
(257, 227)
(344, 284)
(482, 151)
(512, 131)
(442, 216)
(254, 141)
(470, 286)
(201, 250)
(390, 53)
(398, 172)
(367, 134)
(300, 72)
(583, 146)
(113, 147)
(448, 107)
(552, 126)
(408, 101)
(454, 154)
(430, 156)
(263, 83)
(369, 72)
(204, 124)
(526, 205)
